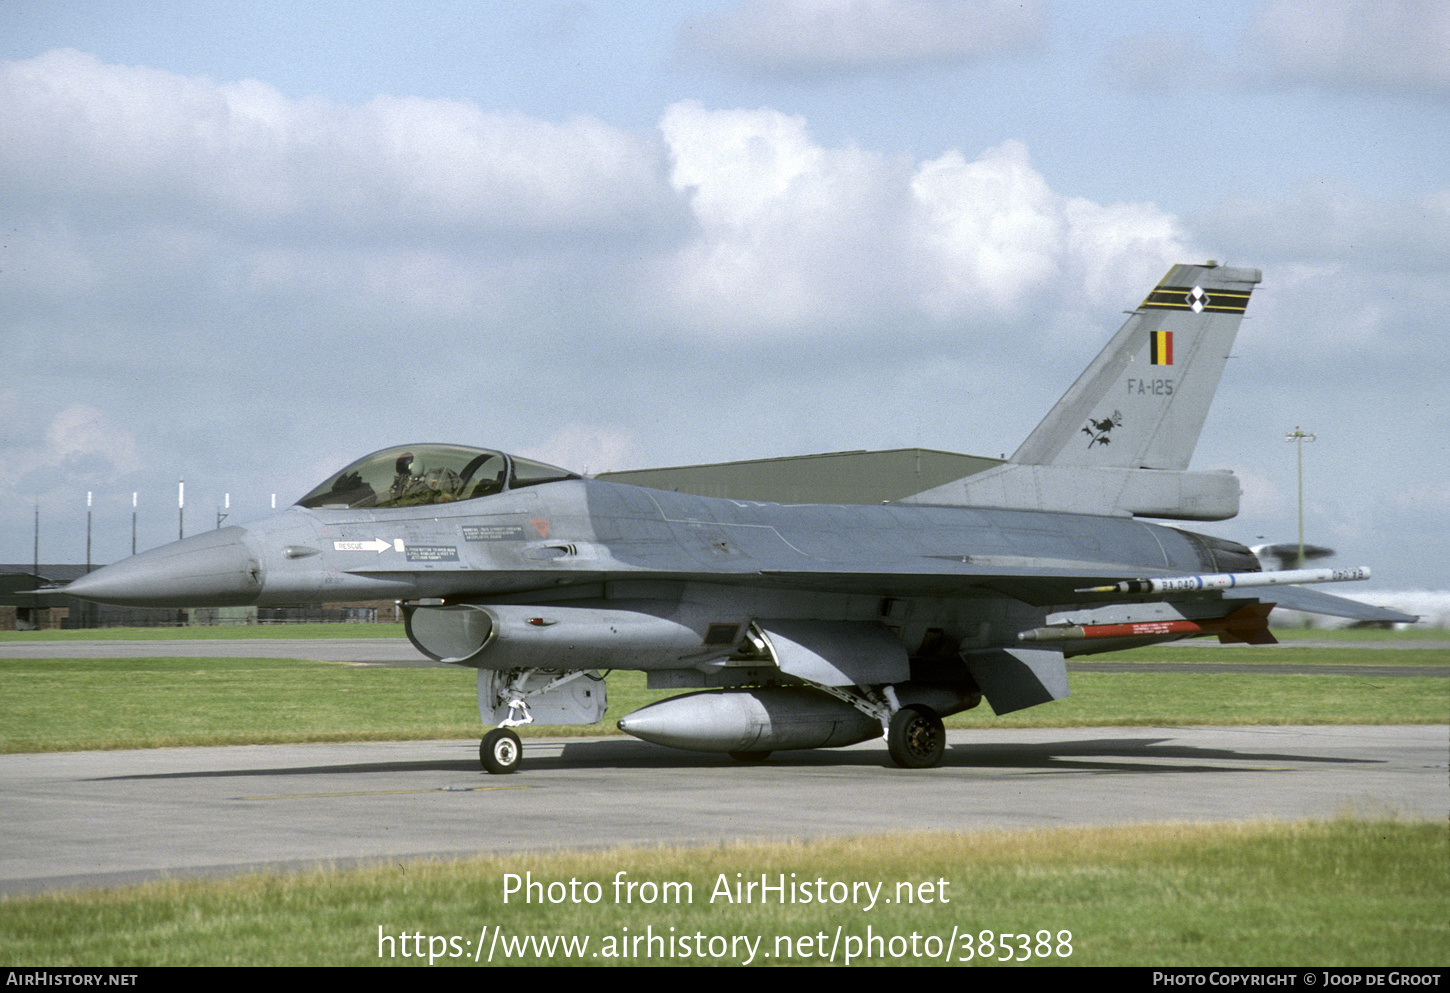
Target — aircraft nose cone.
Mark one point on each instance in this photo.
(215, 569)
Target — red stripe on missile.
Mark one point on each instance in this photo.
(1248, 624)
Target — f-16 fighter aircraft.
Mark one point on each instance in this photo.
(796, 626)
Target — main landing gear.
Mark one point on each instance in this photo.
(916, 738)
(914, 733)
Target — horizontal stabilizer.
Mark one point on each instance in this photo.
(1179, 496)
(1315, 602)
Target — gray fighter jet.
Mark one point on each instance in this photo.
(797, 626)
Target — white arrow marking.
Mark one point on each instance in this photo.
(376, 545)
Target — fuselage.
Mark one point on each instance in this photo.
(952, 568)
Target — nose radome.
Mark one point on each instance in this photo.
(215, 569)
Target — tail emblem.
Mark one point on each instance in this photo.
(1097, 431)
(1197, 299)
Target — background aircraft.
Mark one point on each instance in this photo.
(800, 626)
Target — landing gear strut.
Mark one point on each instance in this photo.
(500, 751)
(916, 739)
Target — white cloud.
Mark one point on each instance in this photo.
(78, 446)
(1112, 247)
(813, 37)
(177, 199)
(139, 141)
(1401, 45)
(995, 236)
(80, 431)
(791, 235)
(788, 234)
(992, 227)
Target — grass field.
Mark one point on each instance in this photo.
(1324, 894)
(69, 704)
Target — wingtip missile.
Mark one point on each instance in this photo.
(1231, 580)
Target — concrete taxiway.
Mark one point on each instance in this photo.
(106, 818)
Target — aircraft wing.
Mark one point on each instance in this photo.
(1057, 588)
(1039, 584)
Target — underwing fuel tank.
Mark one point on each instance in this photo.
(763, 720)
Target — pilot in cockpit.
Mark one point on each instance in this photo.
(404, 478)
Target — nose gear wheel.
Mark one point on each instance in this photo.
(500, 751)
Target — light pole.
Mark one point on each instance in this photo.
(1299, 437)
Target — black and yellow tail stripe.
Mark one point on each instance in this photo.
(1215, 301)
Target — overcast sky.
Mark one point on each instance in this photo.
(245, 244)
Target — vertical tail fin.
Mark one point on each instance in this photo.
(1142, 402)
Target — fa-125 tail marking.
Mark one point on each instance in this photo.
(798, 626)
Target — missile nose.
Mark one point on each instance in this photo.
(215, 569)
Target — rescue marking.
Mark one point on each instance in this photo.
(375, 545)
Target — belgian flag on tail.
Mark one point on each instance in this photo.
(1161, 347)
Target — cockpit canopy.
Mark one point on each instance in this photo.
(411, 475)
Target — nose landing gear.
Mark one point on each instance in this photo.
(500, 751)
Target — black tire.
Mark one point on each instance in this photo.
(917, 738)
(750, 757)
(500, 751)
